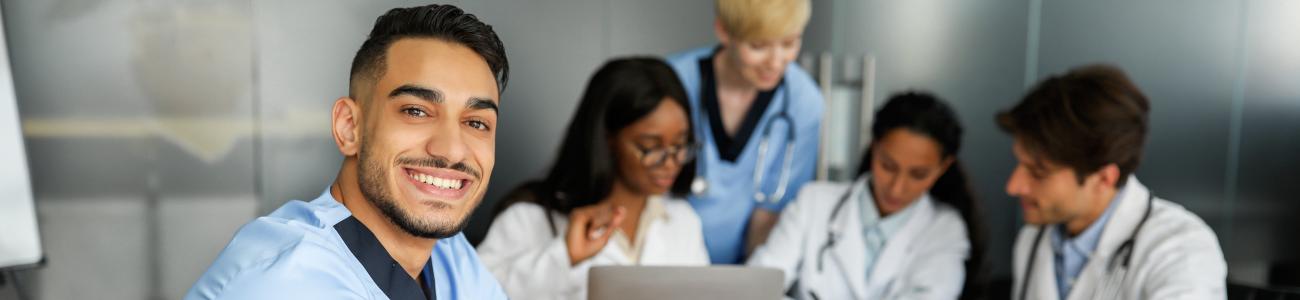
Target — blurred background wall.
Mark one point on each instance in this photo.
(154, 129)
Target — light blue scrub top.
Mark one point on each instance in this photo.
(1072, 254)
(296, 253)
(726, 206)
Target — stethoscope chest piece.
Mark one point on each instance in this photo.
(699, 186)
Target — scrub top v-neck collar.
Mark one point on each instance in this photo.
(383, 269)
(730, 147)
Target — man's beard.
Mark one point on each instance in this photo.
(371, 177)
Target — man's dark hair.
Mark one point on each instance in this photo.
(1085, 119)
(443, 22)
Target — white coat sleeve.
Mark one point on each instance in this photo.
(528, 260)
(785, 244)
(939, 269)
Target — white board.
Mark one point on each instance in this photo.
(20, 242)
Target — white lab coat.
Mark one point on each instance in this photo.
(1176, 256)
(532, 263)
(925, 259)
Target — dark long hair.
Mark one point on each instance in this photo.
(927, 115)
(620, 93)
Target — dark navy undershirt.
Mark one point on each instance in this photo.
(383, 269)
(730, 147)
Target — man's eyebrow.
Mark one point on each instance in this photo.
(479, 103)
(426, 94)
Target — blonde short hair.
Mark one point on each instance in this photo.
(749, 20)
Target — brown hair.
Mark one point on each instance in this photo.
(1085, 119)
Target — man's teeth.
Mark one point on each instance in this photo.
(445, 183)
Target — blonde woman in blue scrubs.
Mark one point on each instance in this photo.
(745, 92)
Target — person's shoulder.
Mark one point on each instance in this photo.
(803, 84)
(274, 251)
(1172, 224)
(296, 226)
(810, 103)
(800, 78)
(1176, 250)
(527, 211)
(819, 189)
(816, 198)
(947, 220)
(456, 256)
(679, 207)
(689, 57)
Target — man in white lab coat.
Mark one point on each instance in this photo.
(1094, 231)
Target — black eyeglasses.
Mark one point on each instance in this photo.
(657, 156)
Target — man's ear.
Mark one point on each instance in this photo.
(724, 38)
(1108, 175)
(346, 125)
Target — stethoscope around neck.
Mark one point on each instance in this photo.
(700, 185)
(833, 232)
(1125, 251)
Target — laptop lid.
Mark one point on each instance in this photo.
(714, 282)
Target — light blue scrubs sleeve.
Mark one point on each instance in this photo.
(305, 271)
(459, 274)
(807, 113)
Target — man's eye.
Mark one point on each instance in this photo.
(477, 125)
(414, 112)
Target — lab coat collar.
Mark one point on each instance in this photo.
(1126, 217)
(899, 245)
(632, 247)
(1132, 206)
(887, 264)
(848, 256)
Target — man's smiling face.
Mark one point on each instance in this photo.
(428, 136)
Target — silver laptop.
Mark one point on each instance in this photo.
(719, 282)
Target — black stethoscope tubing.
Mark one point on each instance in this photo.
(1125, 249)
(700, 185)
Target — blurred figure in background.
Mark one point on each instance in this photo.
(1094, 231)
(418, 132)
(907, 228)
(614, 194)
(758, 119)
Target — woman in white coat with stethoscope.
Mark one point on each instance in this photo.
(610, 196)
(905, 229)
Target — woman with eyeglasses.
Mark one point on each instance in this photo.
(614, 195)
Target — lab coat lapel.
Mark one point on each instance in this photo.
(1042, 281)
(1122, 221)
(897, 247)
(848, 251)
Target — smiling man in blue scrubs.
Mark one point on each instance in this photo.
(418, 132)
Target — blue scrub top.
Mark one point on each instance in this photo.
(727, 205)
(297, 252)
